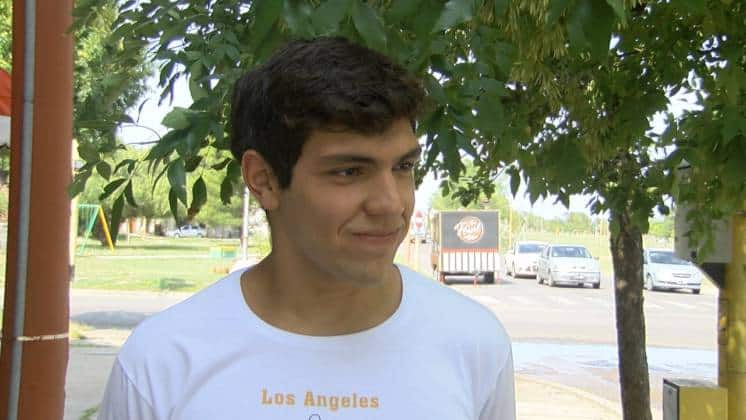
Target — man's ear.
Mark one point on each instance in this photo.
(261, 180)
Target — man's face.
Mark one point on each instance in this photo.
(348, 205)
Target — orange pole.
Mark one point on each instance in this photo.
(43, 340)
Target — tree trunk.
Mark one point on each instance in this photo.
(626, 253)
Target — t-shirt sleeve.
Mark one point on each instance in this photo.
(501, 403)
(122, 400)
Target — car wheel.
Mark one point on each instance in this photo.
(695, 291)
(649, 283)
(489, 278)
(551, 279)
(514, 272)
(199, 235)
(597, 285)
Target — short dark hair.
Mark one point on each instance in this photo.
(317, 84)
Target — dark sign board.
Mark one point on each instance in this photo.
(469, 229)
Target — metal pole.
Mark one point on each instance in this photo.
(732, 329)
(245, 226)
(29, 66)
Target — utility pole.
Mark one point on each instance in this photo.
(732, 323)
(34, 352)
(245, 225)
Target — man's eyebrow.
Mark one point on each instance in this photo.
(412, 154)
(354, 158)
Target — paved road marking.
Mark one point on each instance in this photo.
(677, 304)
(522, 300)
(562, 300)
(486, 299)
(651, 305)
(596, 301)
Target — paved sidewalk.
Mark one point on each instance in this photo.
(91, 360)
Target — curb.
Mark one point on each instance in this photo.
(606, 404)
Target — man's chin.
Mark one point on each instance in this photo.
(370, 272)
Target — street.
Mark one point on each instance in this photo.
(583, 315)
(568, 335)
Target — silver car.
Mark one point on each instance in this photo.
(522, 258)
(569, 265)
(664, 270)
(187, 231)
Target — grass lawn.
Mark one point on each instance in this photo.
(151, 263)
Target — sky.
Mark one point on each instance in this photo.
(152, 114)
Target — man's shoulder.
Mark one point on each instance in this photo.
(449, 308)
(195, 318)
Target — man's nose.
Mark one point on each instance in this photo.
(385, 196)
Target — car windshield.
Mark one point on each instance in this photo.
(530, 248)
(570, 252)
(666, 257)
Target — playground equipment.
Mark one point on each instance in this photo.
(89, 213)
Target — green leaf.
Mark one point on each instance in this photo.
(454, 13)
(369, 25)
(501, 6)
(111, 187)
(600, 29)
(435, 90)
(176, 119)
(590, 25)
(297, 15)
(122, 163)
(88, 152)
(556, 8)
(129, 195)
(266, 13)
(173, 203)
(199, 196)
(220, 165)
(697, 6)
(192, 163)
(580, 15)
(177, 179)
(327, 17)
(196, 90)
(103, 169)
(116, 216)
(165, 145)
(78, 184)
(226, 190)
(515, 182)
(618, 6)
(401, 10)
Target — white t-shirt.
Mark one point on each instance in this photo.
(441, 355)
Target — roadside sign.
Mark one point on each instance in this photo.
(418, 222)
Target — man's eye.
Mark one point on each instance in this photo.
(405, 166)
(347, 172)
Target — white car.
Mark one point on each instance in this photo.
(664, 270)
(568, 265)
(522, 259)
(187, 231)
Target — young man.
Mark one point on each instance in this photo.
(326, 327)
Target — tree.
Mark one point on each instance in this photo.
(662, 228)
(450, 196)
(558, 94)
(104, 89)
(6, 34)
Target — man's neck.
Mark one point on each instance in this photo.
(312, 303)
